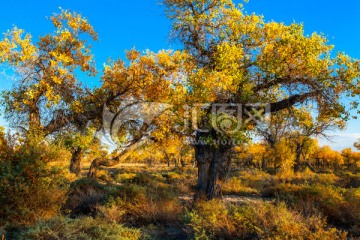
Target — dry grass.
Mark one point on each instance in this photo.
(80, 228)
(217, 220)
(156, 200)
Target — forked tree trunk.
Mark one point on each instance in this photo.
(75, 162)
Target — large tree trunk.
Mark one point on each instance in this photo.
(203, 158)
(75, 163)
(212, 159)
(225, 166)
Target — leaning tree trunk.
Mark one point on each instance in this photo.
(211, 159)
(106, 161)
(93, 170)
(75, 162)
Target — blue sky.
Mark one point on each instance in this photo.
(123, 25)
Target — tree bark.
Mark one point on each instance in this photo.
(297, 157)
(212, 159)
(93, 170)
(225, 166)
(34, 119)
(176, 164)
(203, 158)
(75, 162)
(167, 158)
(263, 162)
(182, 162)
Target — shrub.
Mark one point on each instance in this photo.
(255, 179)
(182, 179)
(125, 177)
(85, 228)
(235, 186)
(142, 197)
(307, 176)
(30, 188)
(340, 206)
(146, 204)
(352, 210)
(112, 213)
(350, 180)
(313, 198)
(216, 220)
(84, 195)
(210, 219)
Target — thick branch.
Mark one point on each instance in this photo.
(291, 101)
(62, 120)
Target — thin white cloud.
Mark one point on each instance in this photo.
(340, 140)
